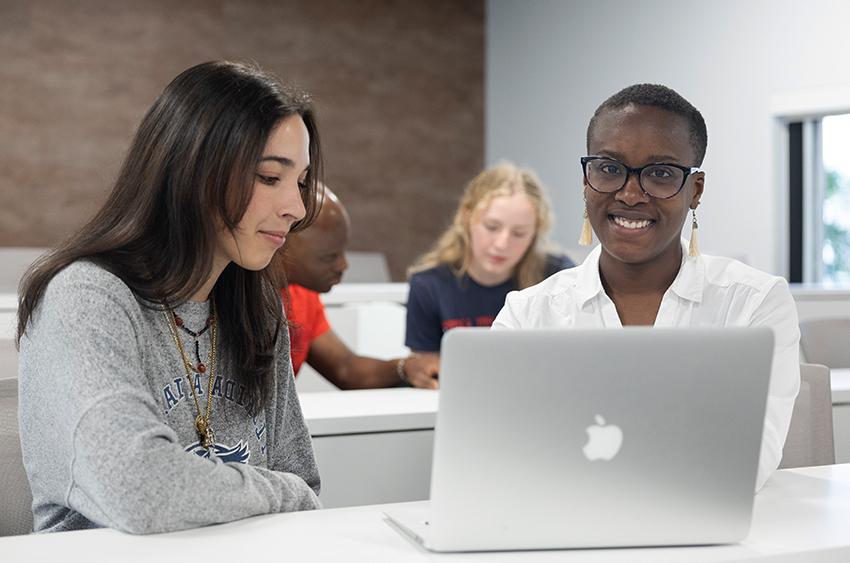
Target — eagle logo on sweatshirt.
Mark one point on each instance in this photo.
(236, 454)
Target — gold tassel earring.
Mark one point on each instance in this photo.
(586, 238)
(693, 248)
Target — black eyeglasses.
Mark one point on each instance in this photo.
(659, 180)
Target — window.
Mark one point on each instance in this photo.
(836, 199)
(819, 199)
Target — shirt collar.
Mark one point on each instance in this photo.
(689, 282)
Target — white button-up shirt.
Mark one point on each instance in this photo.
(708, 291)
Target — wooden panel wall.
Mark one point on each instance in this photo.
(399, 86)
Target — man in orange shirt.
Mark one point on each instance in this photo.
(313, 261)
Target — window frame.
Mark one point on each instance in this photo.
(799, 207)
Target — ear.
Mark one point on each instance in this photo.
(699, 186)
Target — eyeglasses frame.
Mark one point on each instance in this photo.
(637, 171)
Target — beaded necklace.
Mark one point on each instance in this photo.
(200, 367)
(202, 421)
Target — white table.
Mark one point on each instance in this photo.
(802, 515)
(840, 386)
(372, 446)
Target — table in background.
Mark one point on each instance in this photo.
(372, 446)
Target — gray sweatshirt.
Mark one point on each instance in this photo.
(107, 419)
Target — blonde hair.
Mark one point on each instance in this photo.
(505, 179)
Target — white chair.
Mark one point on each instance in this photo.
(366, 267)
(826, 341)
(810, 438)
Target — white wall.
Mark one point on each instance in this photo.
(551, 63)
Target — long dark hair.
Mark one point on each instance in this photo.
(191, 167)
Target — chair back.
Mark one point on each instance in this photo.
(16, 508)
(826, 341)
(810, 440)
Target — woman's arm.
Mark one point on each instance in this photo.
(289, 441)
(778, 311)
(337, 363)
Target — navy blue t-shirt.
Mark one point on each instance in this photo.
(438, 301)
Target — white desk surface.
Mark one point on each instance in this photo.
(822, 291)
(347, 293)
(369, 410)
(801, 515)
(840, 386)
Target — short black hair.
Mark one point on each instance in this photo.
(659, 96)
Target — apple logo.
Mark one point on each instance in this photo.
(603, 441)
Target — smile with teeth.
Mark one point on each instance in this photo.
(632, 223)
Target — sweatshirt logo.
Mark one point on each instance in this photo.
(237, 454)
(228, 389)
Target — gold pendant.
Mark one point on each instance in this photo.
(205, 433)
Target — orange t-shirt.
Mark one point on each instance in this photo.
(306, 316)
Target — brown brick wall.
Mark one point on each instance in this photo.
(399, 87)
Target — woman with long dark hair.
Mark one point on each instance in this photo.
(156, 391)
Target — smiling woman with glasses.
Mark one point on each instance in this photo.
(642, 178)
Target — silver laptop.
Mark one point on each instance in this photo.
(594, 438)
